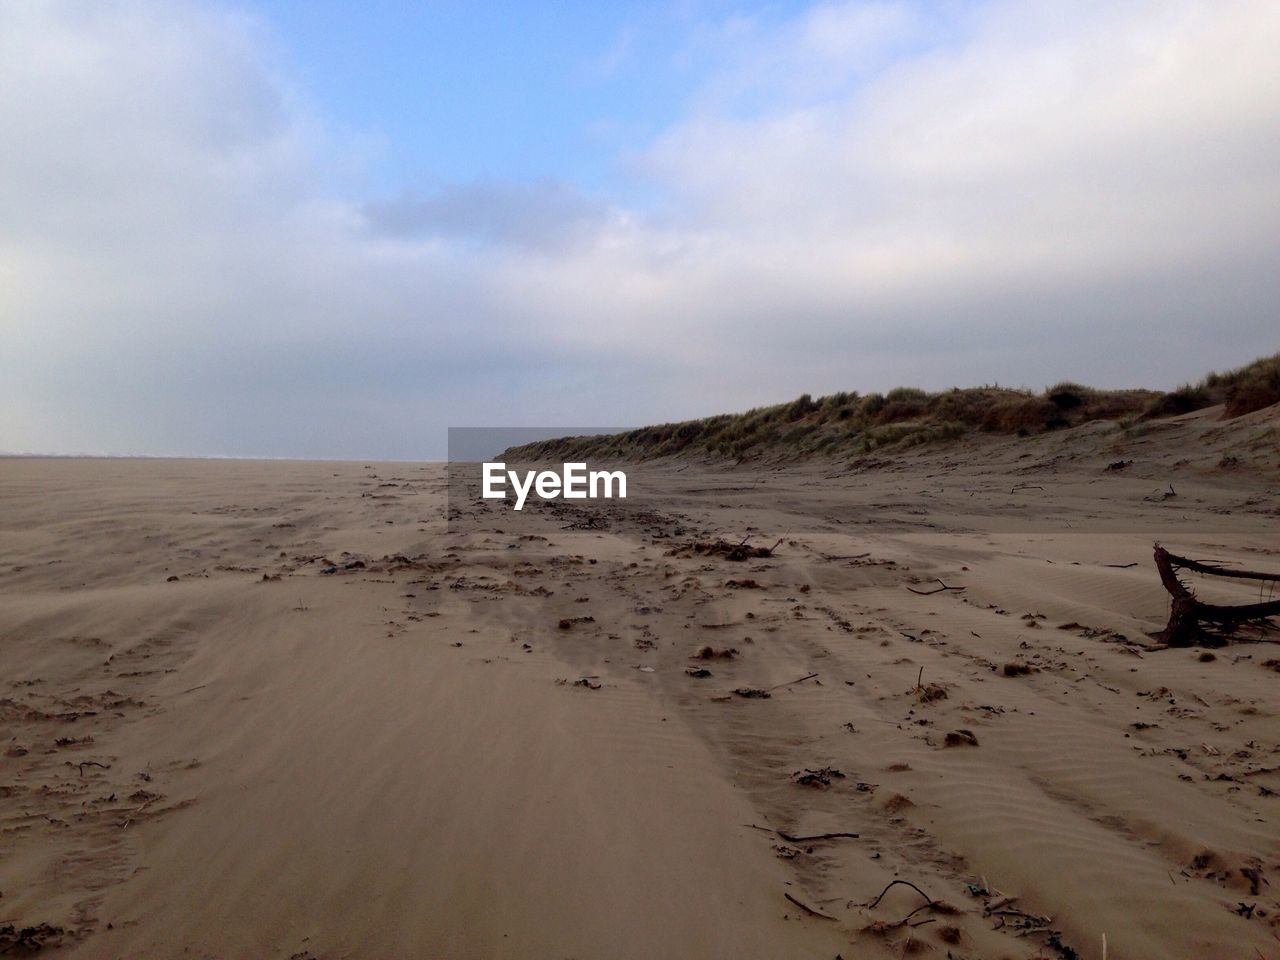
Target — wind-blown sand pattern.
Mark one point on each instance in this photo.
(522, 741)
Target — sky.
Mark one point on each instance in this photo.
(323, 229)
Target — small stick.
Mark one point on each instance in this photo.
(930, 593)
(894, 883)
(923, 906)
(1011, 912)
(129, 819)
(817, 836)
(807, 676)
(807, 909)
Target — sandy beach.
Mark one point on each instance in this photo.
(282, 709)
(696, 480)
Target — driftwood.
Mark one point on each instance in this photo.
(930, 593)
(808, 909)
(792, 838)
(1191, 620)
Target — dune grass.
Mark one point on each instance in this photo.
(849, 423)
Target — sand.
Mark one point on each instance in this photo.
(212, 748)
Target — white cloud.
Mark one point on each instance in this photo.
(860, 196)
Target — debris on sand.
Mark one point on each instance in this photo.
(753, 693)
(1192, 622)
(736, 552)
(715, 653)
(808, 909)
(591, 682)
(745, 584)
(941, 588)
(18, 941)
(817, 778)
(568, 622)
(931, 693)
(961, 738)
(1016, 669)
(700, 673)
(897, 803)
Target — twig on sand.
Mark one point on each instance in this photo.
(808, 909)
(907, 883)
(807, 676)
(903, 921)
(929, 593)
(1019, 914)
(790, 838)
(129, 819)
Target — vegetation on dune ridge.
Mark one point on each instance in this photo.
(846, 424)
(1252, 387)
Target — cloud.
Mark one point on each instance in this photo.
(544, 214)
(861, 195)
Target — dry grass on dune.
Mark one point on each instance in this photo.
(845, 424)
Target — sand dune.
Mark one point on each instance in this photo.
(214, 748)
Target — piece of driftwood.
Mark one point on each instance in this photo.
(1191, 620)
(929, 593)
(808, 909)
(792, 838)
